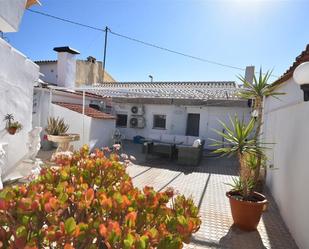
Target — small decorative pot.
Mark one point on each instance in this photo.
(247, 214)
(12, 130)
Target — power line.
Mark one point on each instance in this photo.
(176, 52)
(66, 20)
(140, 41)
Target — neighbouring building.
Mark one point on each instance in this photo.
(174, 108)
(286, 129)
(18, 75)
(69, 72)
(95, 125)
(55, 97)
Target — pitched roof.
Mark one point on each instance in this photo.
(203, 90)
(71, 92)
(90, 112)
(303, 57)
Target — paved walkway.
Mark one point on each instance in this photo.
(206, 185)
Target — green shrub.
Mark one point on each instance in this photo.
(90, 202)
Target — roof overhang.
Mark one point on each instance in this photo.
(29, 3)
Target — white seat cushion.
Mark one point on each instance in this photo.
(154, 136)
(168, 138)
(179, 139)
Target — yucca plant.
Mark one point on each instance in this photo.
(238, 140)
(56, 126)
(257, 91)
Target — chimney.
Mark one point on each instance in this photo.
(66, 66)
(249, 74)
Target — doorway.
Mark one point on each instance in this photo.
(193, 124)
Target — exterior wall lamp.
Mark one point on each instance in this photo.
(301, 77)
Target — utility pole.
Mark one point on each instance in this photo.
(105, 45)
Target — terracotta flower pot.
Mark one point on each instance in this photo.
(12, 130)
(247, 214)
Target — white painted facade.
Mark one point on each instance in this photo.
(286, 126)
(49, 72)
(18, 75)
(176, 119)
(95, 132)
(11, 13)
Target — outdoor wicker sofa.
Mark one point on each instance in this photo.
(190, 155)
(175, 146)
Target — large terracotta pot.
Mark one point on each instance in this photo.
(247, 214)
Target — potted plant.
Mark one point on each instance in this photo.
(246, 204)
(57, 132)
(11, 126)
(257, 91)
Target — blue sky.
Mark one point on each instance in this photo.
(236, 32)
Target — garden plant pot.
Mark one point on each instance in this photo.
(63, 141)
(247, 214)
(12, 130)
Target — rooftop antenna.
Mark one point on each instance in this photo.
(151, 78)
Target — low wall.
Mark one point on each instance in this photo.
(288, 181)
(96, 133)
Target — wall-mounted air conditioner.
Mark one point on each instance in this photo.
(137, 122)
(137, 110)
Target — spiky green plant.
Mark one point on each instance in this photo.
(238, 141)
(257, 91)
(56, 126)
(9, 118)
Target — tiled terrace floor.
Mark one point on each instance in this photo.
(206, 184)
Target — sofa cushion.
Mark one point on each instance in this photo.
(179, 139)
(168, 138)
(154, 136)
(190, 140)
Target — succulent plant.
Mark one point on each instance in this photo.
(56, 126)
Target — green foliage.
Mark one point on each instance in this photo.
(259, 88)
(9, 118)
(90, 202)
(237, 138)
(56, 126)
(238, 141)
(16, 125)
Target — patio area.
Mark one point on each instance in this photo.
(206, 185)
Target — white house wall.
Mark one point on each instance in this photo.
(42, 109)
(176, 119)
(293, 95)
(96, 132)
(286, 126)
(17, 78)
(101, 131)
(50, 72)
(11, 13)
(75, 122)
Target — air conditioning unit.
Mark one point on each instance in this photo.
(137, 122)
(137, 110)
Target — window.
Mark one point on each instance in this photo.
(159, 121)
(121, 120)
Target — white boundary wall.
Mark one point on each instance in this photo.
(286, 124)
